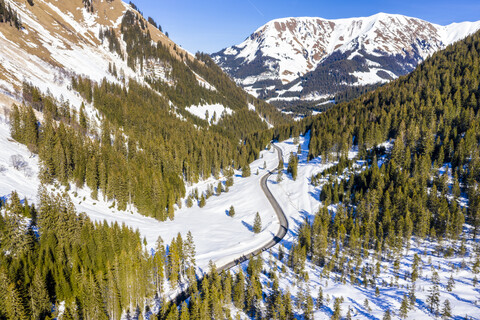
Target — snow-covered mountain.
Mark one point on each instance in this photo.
(310, 58)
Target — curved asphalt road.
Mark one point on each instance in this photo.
(282, 231)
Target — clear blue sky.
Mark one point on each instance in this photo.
(212, 25)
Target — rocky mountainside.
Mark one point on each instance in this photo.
(45, 43)
(314, 58)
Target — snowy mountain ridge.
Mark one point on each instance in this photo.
(285, 54)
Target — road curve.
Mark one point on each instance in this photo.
(282, 231)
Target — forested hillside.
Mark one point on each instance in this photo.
(62, 264)
(432, 115)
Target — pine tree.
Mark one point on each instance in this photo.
(190, 250)
(293, 165)
(82, 118)
(159, 264)
(446, 310)
(279, 176)
(349, 314)
(185, 315)
(450, 283)
(433, 299)
(387, 315)
(337, 310)
(231, 211)
(11, 301)
(39, 300)
(366, 305)
(404, 307)
(257, 223)
(202, 201)
(229, 175)
(246, 171)
(15, 123)
(411, 296)
(320, 297)
(239, 290)
(308, 307)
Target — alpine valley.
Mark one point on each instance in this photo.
(140, 181)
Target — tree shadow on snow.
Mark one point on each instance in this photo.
(315, 194)
(359, 310)
(248, 226)
(307, 216)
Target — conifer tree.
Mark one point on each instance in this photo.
(239, 290)
(159, 265)
(446, 310)
(279, 176)
(184, 315)
(231, 211)
(404, 307)
(387, 315)
(202, 201)
(190, 250)
(246, 171)
(293, 165)
(337, 310)
(308, 307)
(450, 283)
(257, 223)
(433, 298)
(39, 300)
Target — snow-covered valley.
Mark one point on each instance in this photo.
(220, 238)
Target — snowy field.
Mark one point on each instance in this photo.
(18, 166)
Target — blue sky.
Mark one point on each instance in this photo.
(212, 25)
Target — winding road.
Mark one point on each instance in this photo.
(282, 231)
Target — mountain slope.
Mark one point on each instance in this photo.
(123, 109)
(59, 40)
(314, 58)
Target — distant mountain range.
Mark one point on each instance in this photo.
(311, 59)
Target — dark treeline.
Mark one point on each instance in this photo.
(98, 271)
(8, 15)
(354, 92)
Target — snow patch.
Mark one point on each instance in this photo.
(210, 112)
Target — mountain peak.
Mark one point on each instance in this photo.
(377, 48)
